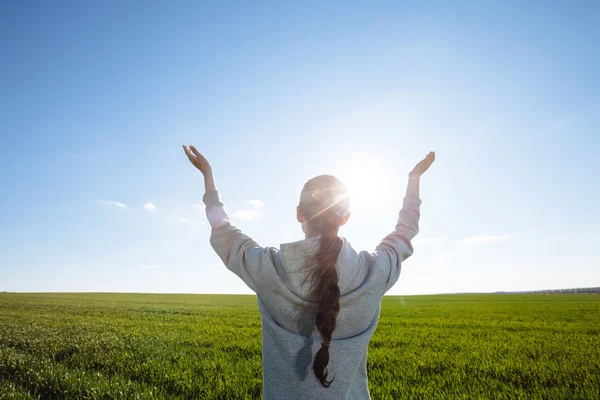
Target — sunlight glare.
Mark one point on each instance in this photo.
(366, 181)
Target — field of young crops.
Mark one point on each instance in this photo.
(92, 346)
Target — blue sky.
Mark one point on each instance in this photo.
(96, 100)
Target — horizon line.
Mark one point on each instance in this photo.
(591, 288)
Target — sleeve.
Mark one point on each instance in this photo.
(396, 247)
(240, 254)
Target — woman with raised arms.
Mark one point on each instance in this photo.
(318, 297)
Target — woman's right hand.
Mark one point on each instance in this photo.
(197, 159)
(422, 166)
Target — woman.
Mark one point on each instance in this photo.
(317, 296)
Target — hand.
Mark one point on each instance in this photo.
(197, 159)
(422, 166)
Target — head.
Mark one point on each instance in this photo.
(324, 199)
(324, 207)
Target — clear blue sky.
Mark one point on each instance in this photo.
(96, 99)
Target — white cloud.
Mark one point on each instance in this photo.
(151, 266)
(192, 222)
(198, 206)
(150, 207)
(256, 203)
(428, 239)
(246, 214)
(485, 239)
(112, 203)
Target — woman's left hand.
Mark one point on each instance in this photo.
(422, 166)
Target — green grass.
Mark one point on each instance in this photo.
(104, 346)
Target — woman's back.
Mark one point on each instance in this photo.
(280, 279)
(290, 338)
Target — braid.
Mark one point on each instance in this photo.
(327, 294)
(324, 203)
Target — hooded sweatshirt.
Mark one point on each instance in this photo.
(290, 339)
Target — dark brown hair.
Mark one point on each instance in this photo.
(323, 204)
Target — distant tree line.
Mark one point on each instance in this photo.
(593, 290)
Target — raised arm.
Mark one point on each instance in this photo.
(239, 253)
(216, 215)
(396, 247)
(200, 162)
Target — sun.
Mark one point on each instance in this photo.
(367, 182)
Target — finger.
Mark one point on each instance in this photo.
(199, 155)
(196, 152)
(188, 152)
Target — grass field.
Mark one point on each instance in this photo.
(100, 346)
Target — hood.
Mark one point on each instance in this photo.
(293, 256)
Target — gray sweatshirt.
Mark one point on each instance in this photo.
(289, 338)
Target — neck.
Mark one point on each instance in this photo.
(311, 235)
(309, 230)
